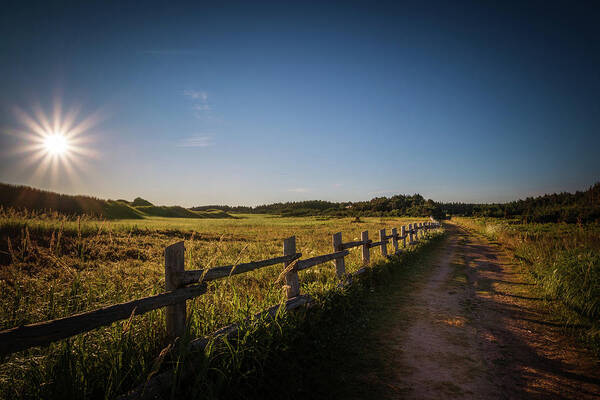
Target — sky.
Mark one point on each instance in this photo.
(256, 102)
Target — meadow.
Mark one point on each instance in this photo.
(53, 266)
(562, 259)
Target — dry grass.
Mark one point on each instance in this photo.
(53, 267)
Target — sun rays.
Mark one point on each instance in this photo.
(55, 146)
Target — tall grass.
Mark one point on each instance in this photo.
(53, 267)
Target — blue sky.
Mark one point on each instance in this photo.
(251, 103)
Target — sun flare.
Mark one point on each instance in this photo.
(56, 145)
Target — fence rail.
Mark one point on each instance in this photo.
(41, 333)
(205, 275)
(178, 281)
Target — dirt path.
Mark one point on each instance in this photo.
(477, 333)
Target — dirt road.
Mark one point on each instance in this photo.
(476, 332)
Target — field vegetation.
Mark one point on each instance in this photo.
(61, 255)
(563, 259)
(54, 266)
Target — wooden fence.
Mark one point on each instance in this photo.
(182, 285)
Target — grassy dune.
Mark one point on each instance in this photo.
(178, 212)
(41, 201)
(56, 267)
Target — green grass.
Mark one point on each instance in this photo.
(334, 350)
(177, 212)
(53, 267)
(564, 261)
(117, 210)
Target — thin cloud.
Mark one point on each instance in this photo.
(298, 190)
(196, 141)
(196, 94)
(337, 185)
(201, 106)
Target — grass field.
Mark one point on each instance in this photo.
(564, 261)
(52, 268)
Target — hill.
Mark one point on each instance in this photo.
(180, 212)
(139, 202)
(25, 197)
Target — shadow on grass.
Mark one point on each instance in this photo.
(323, 352)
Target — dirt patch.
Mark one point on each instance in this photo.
(477, 331)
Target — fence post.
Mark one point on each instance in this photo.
(340, 265)
(366, 254)
(291, 278)
(395, 240)
(410, 234)
(175, 314)
(403, 233)
(383, 242)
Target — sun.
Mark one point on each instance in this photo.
(56, 144)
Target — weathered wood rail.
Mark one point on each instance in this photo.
(182, 285)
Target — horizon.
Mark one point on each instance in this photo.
(308, 200)
(250, 104)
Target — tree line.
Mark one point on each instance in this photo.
(395, 206)
(578, 207)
